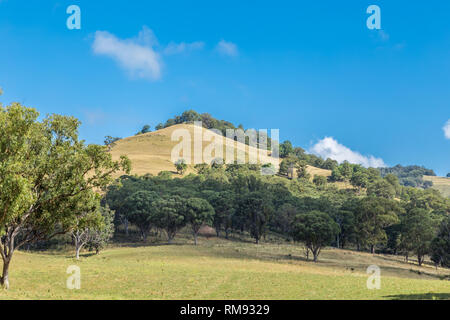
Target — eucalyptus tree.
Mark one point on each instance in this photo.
(198, 213)
(316, 229)
(46, 172)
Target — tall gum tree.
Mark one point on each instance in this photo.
(45, 173)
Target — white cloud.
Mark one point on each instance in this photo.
(227, 48)
(137, 56)
(330, 148)
(175, 48)
(446, 129)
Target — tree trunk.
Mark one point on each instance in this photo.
(126, 227)
(316, 255)
(337, 242)
(227, 234)
(372, 249)
(77, 255)
(4, 281)
(195, 238)
(420, 260)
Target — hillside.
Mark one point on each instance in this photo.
(440, 183)
(220, 269)
(151, 152)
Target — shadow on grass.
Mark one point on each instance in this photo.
(421, 296)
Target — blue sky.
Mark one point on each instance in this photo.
(311, 69)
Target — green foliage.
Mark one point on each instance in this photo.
(372, 216)
(171, 215)
(145, 129)
(198, 212)
(409, 176)
(110, 141)
(181, 166)
(316, 229)
(255, 210)
(46, 173)
(100, 236)
(320, 181)
(141, 210)
(286, 149)
(440, 246)
(418, 229)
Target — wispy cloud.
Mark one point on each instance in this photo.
(176, 48)
(227, 48)
(137, 56)
(330, 148)
(141, 56)
(446, 129)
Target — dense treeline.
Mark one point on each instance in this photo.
(378, 214)
(410, 176)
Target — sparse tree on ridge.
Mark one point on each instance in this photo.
(181, 166)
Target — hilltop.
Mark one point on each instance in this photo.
(151, 152)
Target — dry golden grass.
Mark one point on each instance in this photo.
(220, 269)
(151, 152)
(440, 183)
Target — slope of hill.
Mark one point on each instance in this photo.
(440, 183)
(151, 152)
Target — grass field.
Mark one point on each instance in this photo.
(440, 183)
(219, 269)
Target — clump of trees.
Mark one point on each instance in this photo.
(410, 176)
(377, 215)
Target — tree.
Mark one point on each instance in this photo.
(111, 141)
(201, 168)
(381, 188)
(181, 166)
(359, 179)
(198, 213)
(86, 224)
(372, 216)
(224, 208)
(440, 246)
(142, 211)
(418, 229)
(116, 193)
(316, 229)
(145, 129)
(320, 181)
(256, 209)
(448, 175)
(46, 172)
(302, 170)
(170, 215)
(286, 149)
(100, 237)
(287, 166)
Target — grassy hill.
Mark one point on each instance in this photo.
(440, 183)
(151, 152)
(220, 269)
